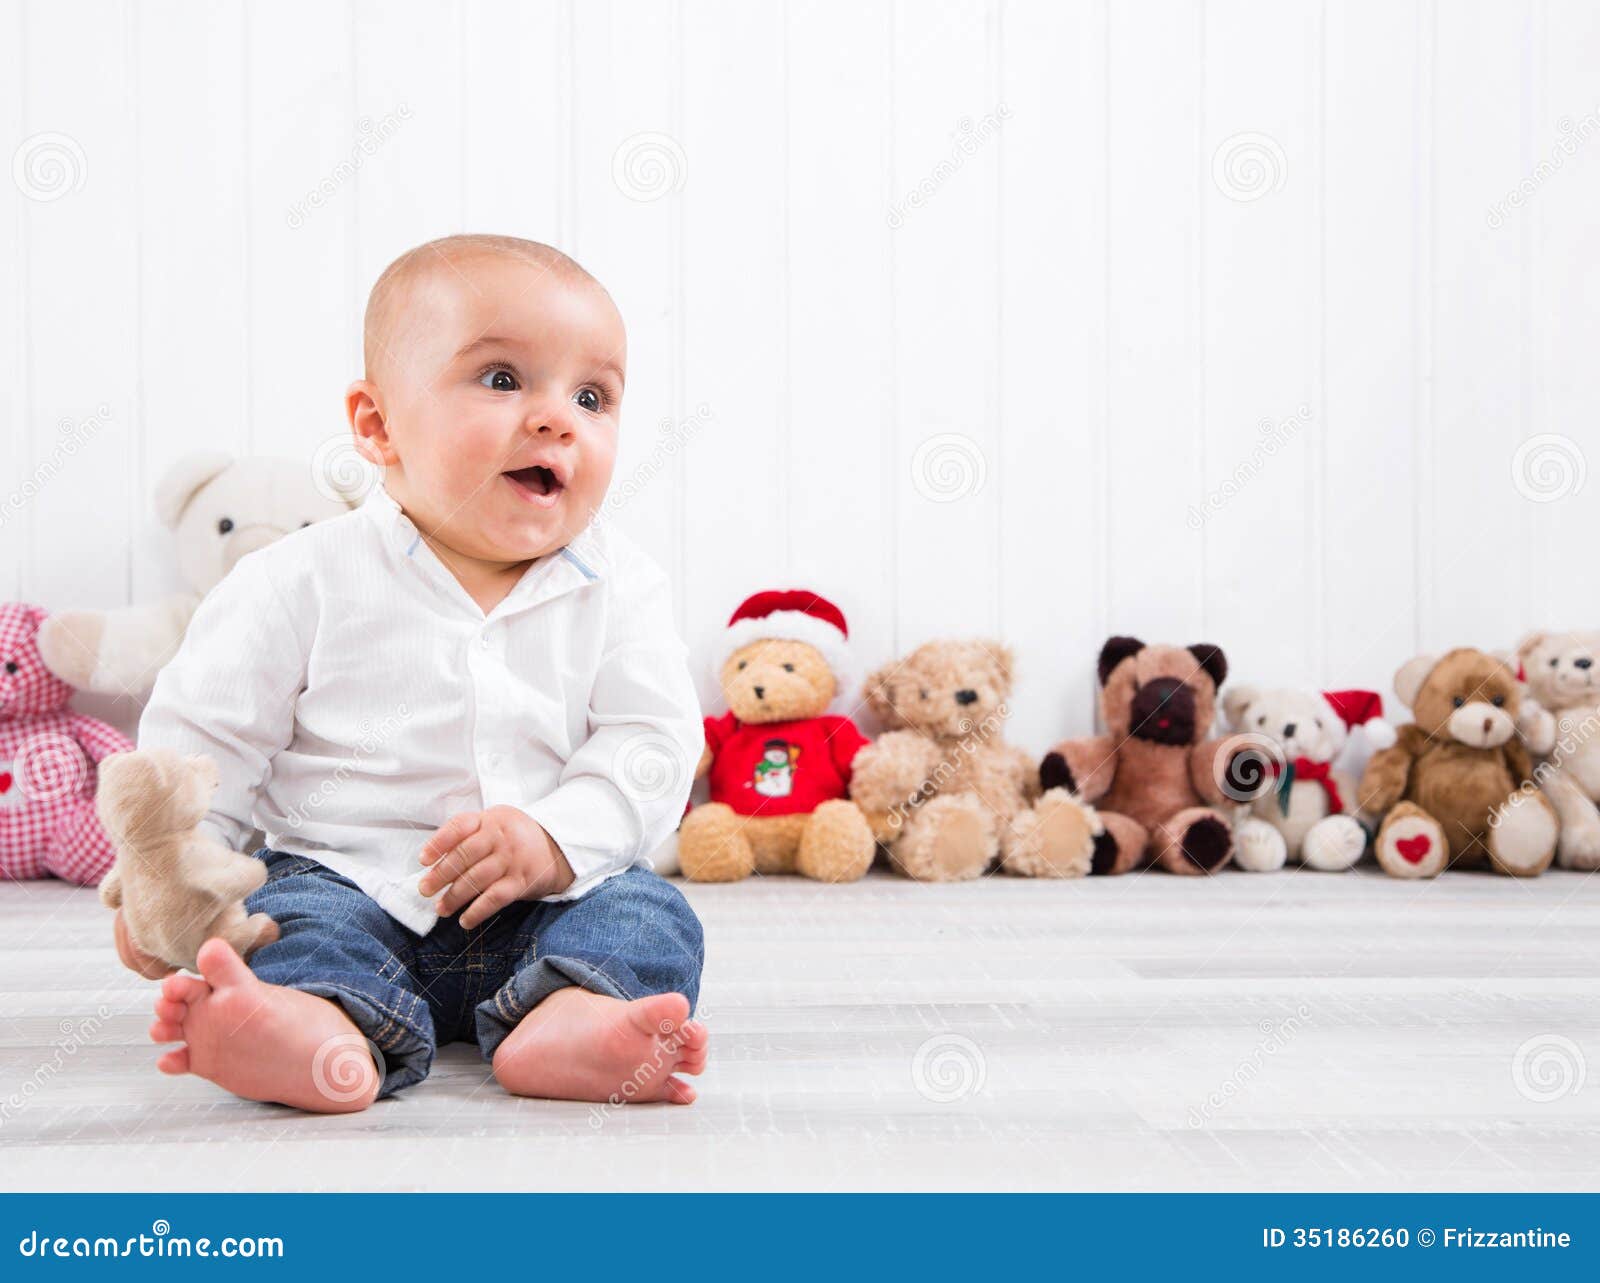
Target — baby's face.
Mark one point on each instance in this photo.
(501, 390)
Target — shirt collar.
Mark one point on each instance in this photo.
(583, 556)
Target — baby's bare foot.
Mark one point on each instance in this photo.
(261, 1041)
(578, 1045)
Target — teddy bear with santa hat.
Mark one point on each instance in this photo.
(779, 761)
(1315, 745)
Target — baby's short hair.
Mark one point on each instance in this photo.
(389, 292)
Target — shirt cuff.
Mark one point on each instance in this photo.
(594, 830)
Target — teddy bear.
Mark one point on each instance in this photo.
(1562, 673)
(1154, 779)
(1314, 745)
(1457, 786)
(48, 760)
(779, 763)
(176, 885)
(943, 791)
(218, 509)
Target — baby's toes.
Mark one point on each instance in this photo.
(173, 1012)
(179, 988)
(678, 1092)
(692, 1062)
(166, 1031)
(174, 1062)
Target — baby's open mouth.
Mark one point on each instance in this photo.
(538, 483)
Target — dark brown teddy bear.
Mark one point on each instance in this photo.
(1154, 777)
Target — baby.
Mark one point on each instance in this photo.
(462, 716)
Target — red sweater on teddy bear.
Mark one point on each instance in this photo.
(781, 768)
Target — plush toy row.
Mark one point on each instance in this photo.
(1317, 778)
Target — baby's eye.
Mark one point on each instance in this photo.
(225, 525)
(588, 399)
(499, 379)
(788, 668)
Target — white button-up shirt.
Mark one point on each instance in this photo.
(354, 697)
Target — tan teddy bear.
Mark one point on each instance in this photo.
(1562, 671)
(942, 789)
(176, 887)
(779, 764)
(1456, 788)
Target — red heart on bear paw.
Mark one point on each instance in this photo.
(1414, 849)
(5, 781)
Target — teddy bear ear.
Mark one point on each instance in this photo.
(1114, 652)
(1212, 662)
(1235, 702)
(1408, 681)
(1003, 659)
(1529, 644)
(182, 481)
(876, 690)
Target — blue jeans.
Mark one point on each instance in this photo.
(632, 936)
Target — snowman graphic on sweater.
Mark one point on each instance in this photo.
(774, 772)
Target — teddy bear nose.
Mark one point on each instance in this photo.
(761, 692)
(1288, 729)
(1585, 662)
(966, 697)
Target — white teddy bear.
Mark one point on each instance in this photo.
(1317, 745)
(219, 508)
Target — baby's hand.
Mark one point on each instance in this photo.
(488, 859)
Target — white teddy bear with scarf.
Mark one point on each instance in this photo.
(1316, 744)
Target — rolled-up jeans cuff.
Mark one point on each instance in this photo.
(498, 1016)
(407, 1051)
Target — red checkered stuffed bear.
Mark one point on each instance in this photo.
(48, 754)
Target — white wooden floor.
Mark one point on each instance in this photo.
(1295, 1030)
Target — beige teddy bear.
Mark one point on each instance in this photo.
(1562, 672)
(176, 887)
(219, 508)
(943, 791)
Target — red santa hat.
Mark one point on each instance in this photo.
(1364, 709)
(792, 615)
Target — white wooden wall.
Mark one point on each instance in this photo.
(961, 313)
